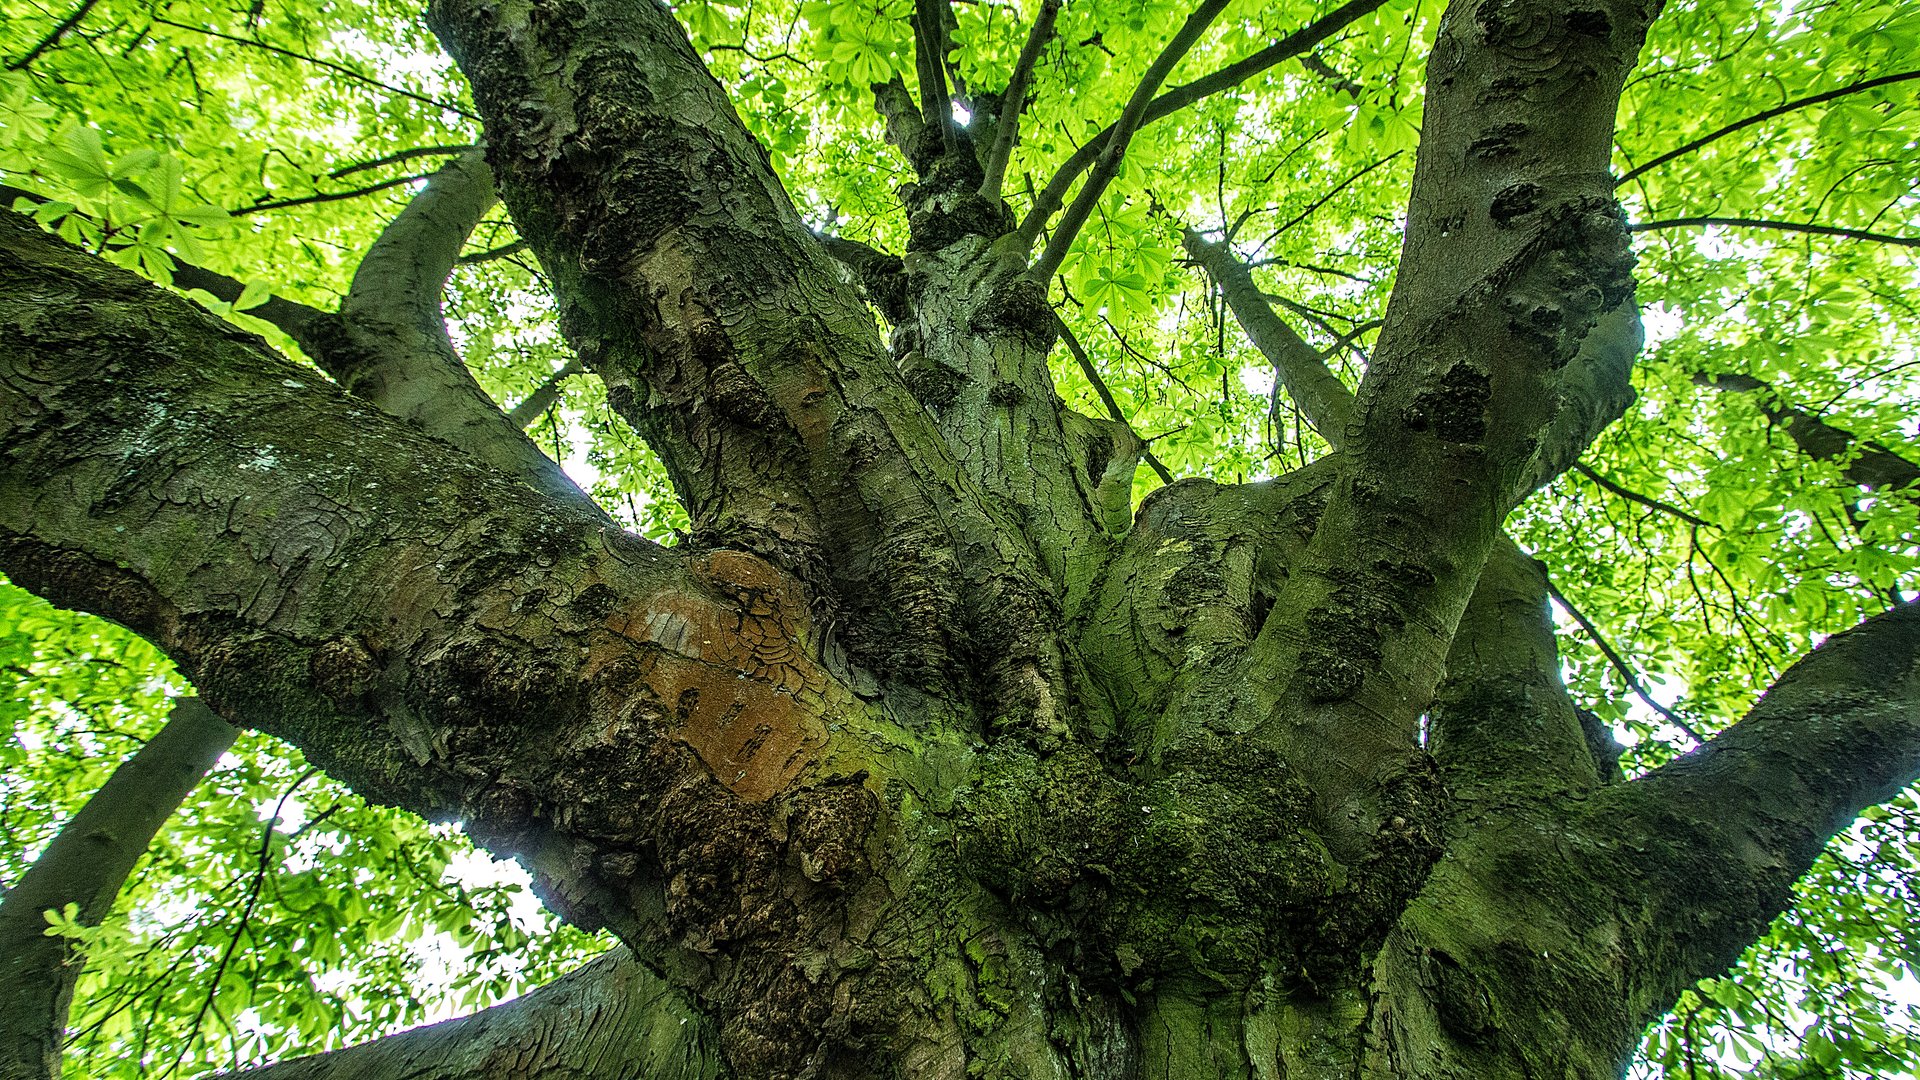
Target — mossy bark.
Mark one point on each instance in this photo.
(918, 759)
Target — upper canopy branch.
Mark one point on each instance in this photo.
(1054, 195)
(1113, 141)
(1006, 129)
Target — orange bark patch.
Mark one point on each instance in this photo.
(736, 674)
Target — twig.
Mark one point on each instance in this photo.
(1008, 124)
(1633, 496)
(328, 64)
(1778, 110)
(330, 196)
(1785, 226)
(1620, 665)
(1106, 396)
(53, 36)
(403, 155)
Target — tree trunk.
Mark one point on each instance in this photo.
(921, 758)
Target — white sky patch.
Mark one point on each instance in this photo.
(1661, 321)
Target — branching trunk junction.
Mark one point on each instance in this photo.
(926, 756)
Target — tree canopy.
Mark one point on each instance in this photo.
(1761, 493)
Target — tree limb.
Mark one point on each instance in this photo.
(1725, 831)
(1783, 226)
(298, 321)
(639, 1027)
(85, 866)
(1007, 128)
(1113, 141)
(1506, 348)
(1871, 465)
(390, 343)
(1324, 400)
(1055, 193)
(313, 566)
(1768, 114)
(724, 333)
(1502, 723)
(1635, 497)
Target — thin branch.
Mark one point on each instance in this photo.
(1323, 200)
(1054, 195)
(53, 36)
(1113, 146)
(1015, 100)
(246, 915)
(86, 866)
(1106, 396)
(489, 255)
(328, 64)
(1323, 399)
(1785, 226)
(1620, 665)
(324, 197)
(403, 155)
(544, 395)
(1649, 502)
(1799, 103)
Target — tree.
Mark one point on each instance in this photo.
(944, 740)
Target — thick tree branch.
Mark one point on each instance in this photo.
(1869, 464)
(1113, 141)
(388, 605)
(1295, 44)
(85, 866)
(1728, 829)
(1506, 349)
(390, 343)
(1501, 722)
(1765, 115)
(1007, 128)
(608, 1020)
(689, 284)
(1323, 399)
(1783, 226)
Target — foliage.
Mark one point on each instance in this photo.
(1703, 544)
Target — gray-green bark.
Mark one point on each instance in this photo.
(919, 758)
(84, 866)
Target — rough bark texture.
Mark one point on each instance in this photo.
(85, 866)
(921, 758)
